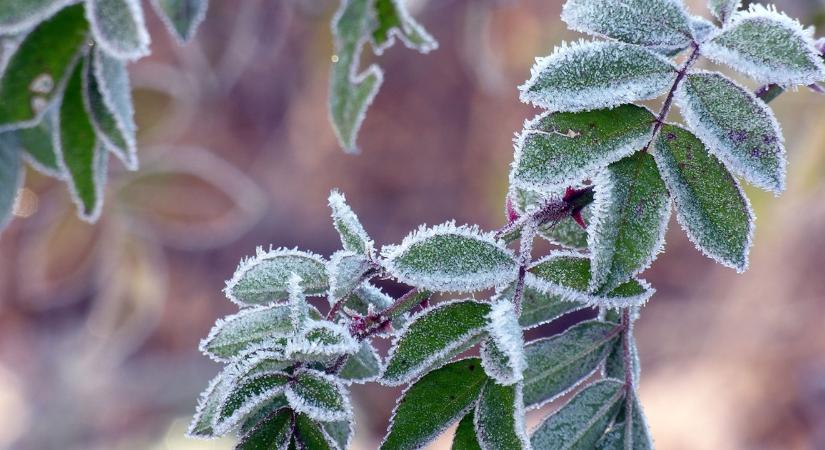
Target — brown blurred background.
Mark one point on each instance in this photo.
(99, 325)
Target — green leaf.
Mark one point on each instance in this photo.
(118, 27)
(243, 331)
(321, 341)
(79, 153)
(363, 366)
(264, 277)
(368, 298)
(273, 433)
(710, 205)
(110, 102)
(209, 405)
(614, 365)
(768, 46)
(502, 354)
(181, 17)
(11, 177)
(319, 395)
(565, 277)
(346, 271)
(582, 421)
(37, 145)
(261, 413)
(723, 9)
(499, 418)
(246, 396)
(17, 16)
(447, 258)
(465, 434)
(658, 24)
(736, 127)
(636, 436)
(351, 90)
(353, 236)
(341, 432)
(439, 332)
(559, 150)
(631, 212)
(35, 74)
(310, 435)
(433, 403)
(593, 75)
(393, 19)
(557, 364)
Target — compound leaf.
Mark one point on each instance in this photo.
(447, 258)
(735, 126)
(264, 277)
(181, 17)
(118, 27)
(499, 418)
(561, 149)
(433, 335)
(594, 75)
(768, 46)
(318, 395)
(631, 212)
(433, 403)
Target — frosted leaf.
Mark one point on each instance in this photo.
(431, 336)
(736, 127)
(118, 27)
(80, 156)
(40, 54)
(37, 145)
(465, 434)
(297, 303)
(346, 271)
(318, 395)
(593, 75)
(499, 418)
(351, 90)
(341, 432)
(209, 404)
(234, 334)
(18, 16)
(567, 276)
(614, 365)
(262, 412)
(557, 364)
(362, 367)
(181, 17)
(768, 46)
(723, 9)
(393, 19)
(11, 177)
(582, 420)
(367, 299)
(272, 433)
(260, 362)
(310, 434)
(353, 236)
(630, 215)
(321, 340)
(702, 28)
(245, 396)
(636, 438)
(658, 24)
(559, 150)
(112, 108)
(447, 258)
(502, 354)
(263, 277)
(436, 401)
(537, 307)
(710, 205)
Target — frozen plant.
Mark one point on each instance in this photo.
(594, 174)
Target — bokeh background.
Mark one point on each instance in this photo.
(99, 325)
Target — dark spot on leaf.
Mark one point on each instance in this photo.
(671, 137)
(738, 136)
(755, 152)
(472, 367)
(768, 138)
(592, 125)
(452, 397)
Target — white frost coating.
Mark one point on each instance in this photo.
(115, 88)
(724, 9)
(702, 28)
(219, 330)
(768, 46)
(416, 371)
(572, 295)
(348, 225)
(261, 255)
(372, 353)
(721, 141)
(591, 75)
(351, 432)
(31, 17)
(221, 425)
(12, 167)
(98, 12)
(412, 26)
(505, 331)
(207, 407)
(302, 345)
(518, 416)
(298, 307)
(497, 273)
(203, 6)
(346, 271)
(313, 409)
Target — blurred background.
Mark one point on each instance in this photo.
(99, 324)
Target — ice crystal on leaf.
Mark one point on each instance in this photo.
(118, 27)
(318, 395)
(11, 177)
(236, 333)
(181, 17)
(658, 24)
(448, 258)
(499, 418)
(393, 20)
(346, 271)
(768, 46)
(274, 432)
(353, 236)
(503, 354)
(245, 396)
(735, 126)
(18, 16)
(593, 75)
(363, 366)
(263, 278)
(115, 116)
(724, 9)
(702, 28)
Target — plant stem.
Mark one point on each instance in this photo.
(680, 76)
(629, 382)
(339, 303)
